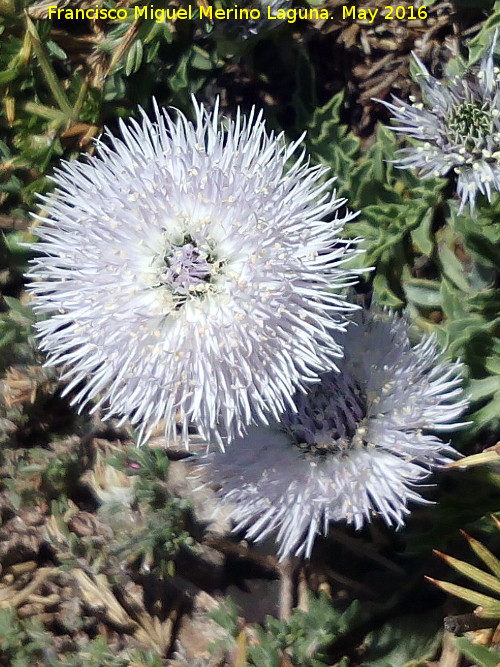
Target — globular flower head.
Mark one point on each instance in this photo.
(190, 276)
(358, 446)
(458, 127)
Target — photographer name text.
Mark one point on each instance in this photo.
(368, 15)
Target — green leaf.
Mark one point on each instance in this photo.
(134, 58)
(452, 304)
(484, 554)
(483, 39)
(179, 80)
(480, 655)
(422, 235)
(201, 59)
(452, 268)
(423, 292)
(478, 576)
(478, 390)
(8, 75)
(330, 142)
(490, 606)
(385, 295)
(488, 416)
(48, 71)
(482, 246)
(55, 50)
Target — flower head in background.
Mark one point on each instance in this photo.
(190, 276)
(359, 444)
(457, 126)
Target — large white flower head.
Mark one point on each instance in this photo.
(190, 276)
(458, 125)
(359, 444)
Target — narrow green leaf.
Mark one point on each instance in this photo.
(8, 75)
(179, 80)
(479, 576)
(44, 111)
(484, 554)
(7, 338)
(484, 601)
(134, 58)
(55, 50)
(48, 71)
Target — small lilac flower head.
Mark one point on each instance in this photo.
(358, 446)
(457, 126)
(190, 276)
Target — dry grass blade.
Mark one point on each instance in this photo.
(99, 597)
(150, 629)
(12, 223)
(39, 10)
(240, 654)
(490, 455)
(450, 655)
(155, 633)
(10, 596)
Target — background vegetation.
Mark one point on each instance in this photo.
(104, 555)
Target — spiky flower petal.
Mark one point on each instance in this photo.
(458, 125)
(190, 276)
(359, 444)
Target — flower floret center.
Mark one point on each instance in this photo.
(471, 123)
(189, 269)
(325, 424)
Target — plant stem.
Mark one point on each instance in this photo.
(288, 569)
